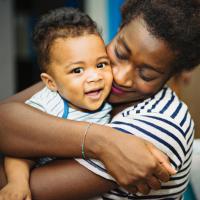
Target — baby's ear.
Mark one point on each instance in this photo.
(49, 81)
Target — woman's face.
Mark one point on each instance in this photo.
(140, 63)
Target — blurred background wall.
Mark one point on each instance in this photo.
(190, 93)
(18, 68)
(7, 49)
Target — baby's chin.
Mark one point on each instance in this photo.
(92, 107)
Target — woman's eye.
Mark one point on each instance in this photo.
(102, 65)
(77, 70)
(146, 77)
(120, 55)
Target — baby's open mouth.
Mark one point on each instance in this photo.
(94, 94)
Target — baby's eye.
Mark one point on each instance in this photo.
(77, 70)
(102, 65)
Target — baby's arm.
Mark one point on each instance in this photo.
(17, 172)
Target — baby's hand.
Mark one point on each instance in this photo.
(15, 191)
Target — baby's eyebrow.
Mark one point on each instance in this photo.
(75, 63)
(103, 57)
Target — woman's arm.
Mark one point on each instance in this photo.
(26, 132)
(64, 179)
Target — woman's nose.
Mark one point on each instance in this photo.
(123, 76)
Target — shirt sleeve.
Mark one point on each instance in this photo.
(161, 130)
(47, 101)
(36, 104)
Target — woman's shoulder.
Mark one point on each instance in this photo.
(165, 104)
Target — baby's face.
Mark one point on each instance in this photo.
(81, 71)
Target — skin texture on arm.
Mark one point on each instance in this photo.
(37, 134)
(64, 179)
(75, 182)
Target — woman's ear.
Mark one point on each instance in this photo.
(49, 81)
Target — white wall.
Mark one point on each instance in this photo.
(97, 10)
(6, 48)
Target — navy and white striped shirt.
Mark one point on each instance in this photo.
(165, 121)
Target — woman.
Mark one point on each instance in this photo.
(151, 46)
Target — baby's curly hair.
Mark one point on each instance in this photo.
(59, 23)
(175, 21)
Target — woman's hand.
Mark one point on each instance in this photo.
(129, 159)
(153, 182)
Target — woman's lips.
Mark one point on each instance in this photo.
(117, 90)
(120, 91)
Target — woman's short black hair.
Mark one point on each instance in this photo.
(59, 23)
(177, 22)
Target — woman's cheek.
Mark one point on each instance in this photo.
(147, 88)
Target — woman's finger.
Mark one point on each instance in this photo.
(132, 189)
(143, 188)
(28, 198)
(154, 183)
(162, 159)
(161, 173)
